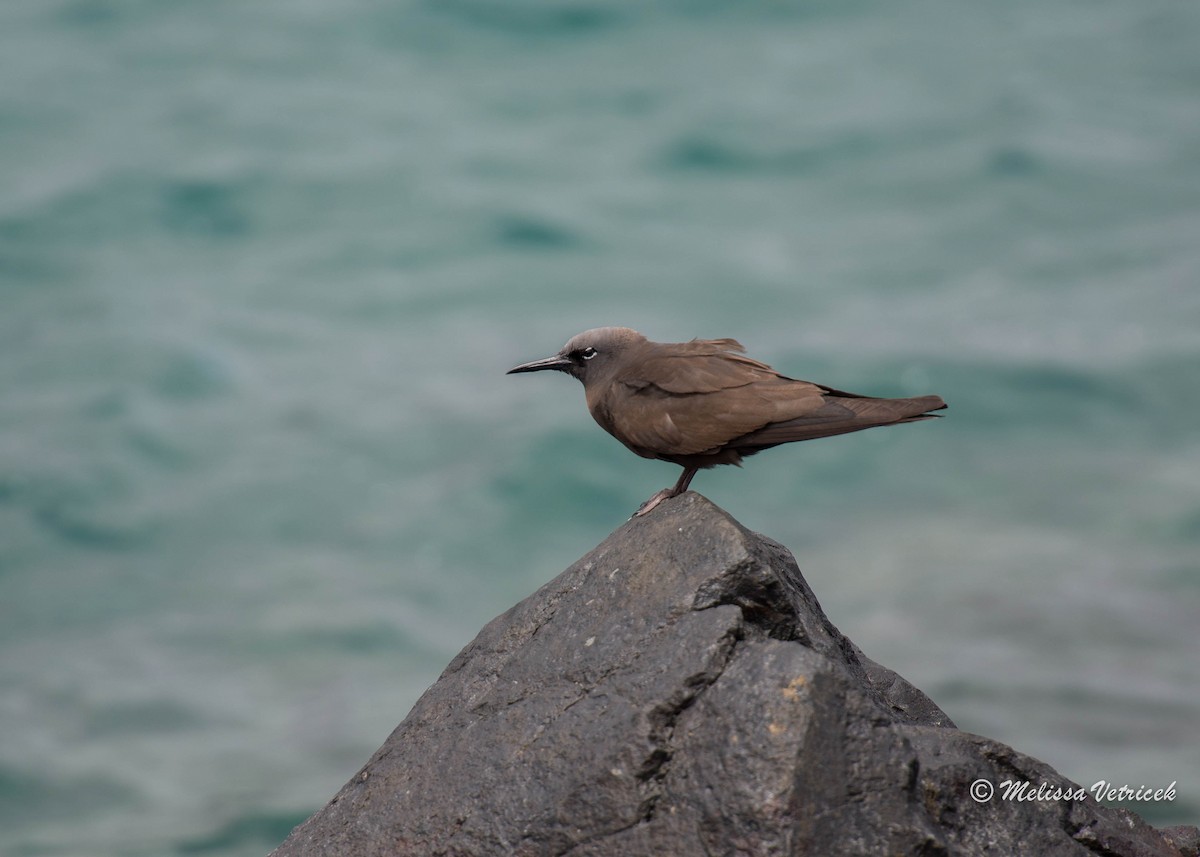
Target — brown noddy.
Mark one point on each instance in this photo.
(703, 403)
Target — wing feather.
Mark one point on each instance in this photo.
(699, 366)
(839, 415)
(653, 421)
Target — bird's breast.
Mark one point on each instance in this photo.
(630, 418)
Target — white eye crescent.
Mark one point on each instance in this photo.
(588, 353)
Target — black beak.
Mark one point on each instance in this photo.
(562, 364)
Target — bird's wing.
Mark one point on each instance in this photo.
(697, 400)
(839, 414)
(699, 366)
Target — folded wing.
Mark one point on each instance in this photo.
(703, 397)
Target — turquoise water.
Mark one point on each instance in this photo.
(263, 265)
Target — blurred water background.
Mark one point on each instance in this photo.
(263, 265)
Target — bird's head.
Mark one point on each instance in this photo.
(589, 355)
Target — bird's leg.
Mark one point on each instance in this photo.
(667, 493)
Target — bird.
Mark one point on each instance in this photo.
(702, 403)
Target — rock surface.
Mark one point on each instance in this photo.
(678, 691)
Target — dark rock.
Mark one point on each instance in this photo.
(1184, 837)
(678, 691)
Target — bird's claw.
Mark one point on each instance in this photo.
(648, 506)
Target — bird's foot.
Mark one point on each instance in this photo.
(648, 506)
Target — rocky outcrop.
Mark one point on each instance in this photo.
(678, 691)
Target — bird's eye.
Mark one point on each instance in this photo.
(588, 353)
